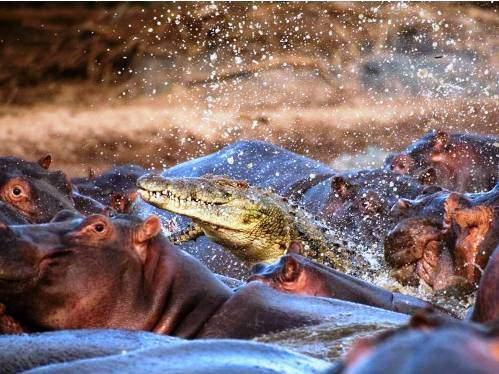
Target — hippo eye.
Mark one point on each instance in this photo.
(16, 191)
(99, 227)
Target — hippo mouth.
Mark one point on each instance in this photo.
(415, 253)
(17, 278)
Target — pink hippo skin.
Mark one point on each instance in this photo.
(120, 272)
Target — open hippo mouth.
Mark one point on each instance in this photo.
(418, 250)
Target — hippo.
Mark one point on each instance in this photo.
(27, 351)
(202, 356)
(486, 308)
(117, 182)
(296, 274)
(444, 238)
(10, 216)
(35, 192)
(359, 202)
(462, 162)
(429, 344)
(120, 272)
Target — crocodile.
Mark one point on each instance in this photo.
(255, 224)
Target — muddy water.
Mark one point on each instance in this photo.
(327, 341)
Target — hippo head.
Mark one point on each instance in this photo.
(37, 193)
(291, 273)
(428, 344)
(69, 273)
(442, 238)
(459, 162)
(421, 154)
(362, 200)
(105, 188)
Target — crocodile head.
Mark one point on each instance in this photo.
(251, 222)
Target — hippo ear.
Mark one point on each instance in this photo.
(290, 269)
(91, 173)
(440, 141)
(295, 247)
(428, 177)
(149, 229)
(121, 202)
(341, 187)
(45, 161)
(401, 163)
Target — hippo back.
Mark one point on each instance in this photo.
(28, 351)
(209, 356)
(260, 163)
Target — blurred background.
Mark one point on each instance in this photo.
(96, 84)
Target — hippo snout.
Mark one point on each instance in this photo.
(401, 248)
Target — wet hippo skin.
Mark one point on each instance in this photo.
(358, 203)
(9, 216)
(257, 309)
(117, 180)
(444, 238)
(462, 162)
(296, 274)
(23, 352)
(68, 274)
(427, 345)
(203, 356)
(120, 272)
